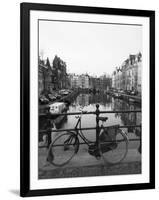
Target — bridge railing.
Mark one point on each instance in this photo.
(97, 112)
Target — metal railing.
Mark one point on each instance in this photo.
(97, 112)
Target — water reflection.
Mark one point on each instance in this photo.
(130, 118)
(107, 103)
(82, 100)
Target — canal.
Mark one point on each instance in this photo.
(88, 101)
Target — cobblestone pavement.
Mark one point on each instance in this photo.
(95, 170)
(83, 165)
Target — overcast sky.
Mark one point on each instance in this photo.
(89, 47)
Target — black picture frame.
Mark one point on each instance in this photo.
(25, 9)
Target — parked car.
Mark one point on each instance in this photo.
(134, 93)
(64, 92)
(58, 96)
(43, 100)
(70, 91)
(116, 95)
(128, 92)
(51, 97)
(122, 91)
(61, 91)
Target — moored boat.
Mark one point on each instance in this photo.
(56, 109)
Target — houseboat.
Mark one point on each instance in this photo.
(56, 109)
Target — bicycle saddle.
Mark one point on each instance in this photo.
(103, 119)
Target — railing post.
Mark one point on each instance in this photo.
(97, 123)
(49, 133)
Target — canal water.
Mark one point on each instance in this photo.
(88, 102)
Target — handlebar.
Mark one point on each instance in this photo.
(82, 112)
(103, 119)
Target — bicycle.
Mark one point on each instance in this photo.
(112, 145)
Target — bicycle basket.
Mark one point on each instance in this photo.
(108, 138)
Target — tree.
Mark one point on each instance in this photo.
(56, 62)
(48, 63)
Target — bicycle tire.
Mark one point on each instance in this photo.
(58, 154)
(116, 154)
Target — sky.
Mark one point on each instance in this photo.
(90, 48)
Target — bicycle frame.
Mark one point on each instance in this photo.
(79, 131)
(101, 127)
(96, 149)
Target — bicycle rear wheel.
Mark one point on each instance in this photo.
(114, 151)
(62, 149)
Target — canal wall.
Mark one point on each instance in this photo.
(135, 99)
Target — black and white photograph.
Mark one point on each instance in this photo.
(90, 99)
(87, 90)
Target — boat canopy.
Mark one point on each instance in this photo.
(57, 107)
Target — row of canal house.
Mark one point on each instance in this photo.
(104, 82)
(44, 76)
(52, 77)
(85, 81)
(79, 81)
(128, 75)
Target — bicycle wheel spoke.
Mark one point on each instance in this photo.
(116, 150)
(63, 148)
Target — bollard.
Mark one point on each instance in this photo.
(140, 147)
(97, 124)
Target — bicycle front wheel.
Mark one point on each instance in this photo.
(62, 149)
(114, 151)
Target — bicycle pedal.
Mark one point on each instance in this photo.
(50, 157)
(113, 146)
(95, 153)
(98, 157)
(66, 148)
